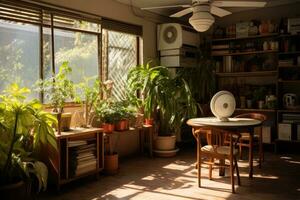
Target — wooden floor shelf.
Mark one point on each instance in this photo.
(88, 150)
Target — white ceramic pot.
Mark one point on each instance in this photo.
(165, 143)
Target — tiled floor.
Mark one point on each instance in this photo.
(175, 178)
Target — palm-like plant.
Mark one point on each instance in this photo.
(168, 97)
(24, 127)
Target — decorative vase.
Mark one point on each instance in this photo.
(249, 103)
(261, 104)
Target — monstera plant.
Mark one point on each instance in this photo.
(24, 129)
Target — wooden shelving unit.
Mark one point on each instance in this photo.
(243, 75)
(255, 110)
(289, 53)
(246, 53)
(247, 74)
(60, 160)
(245, 38)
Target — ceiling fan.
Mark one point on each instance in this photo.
(202, 11)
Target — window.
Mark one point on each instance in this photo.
(36, 40)
(121, 54)
(19, 54)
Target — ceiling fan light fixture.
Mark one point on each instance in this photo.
(201, 21)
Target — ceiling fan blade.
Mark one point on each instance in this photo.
(219, 11)
(182, 12)
(171, 6)
(239, 3)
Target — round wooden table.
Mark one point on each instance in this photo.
(237, 125)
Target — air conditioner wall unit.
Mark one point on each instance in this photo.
(175, 36)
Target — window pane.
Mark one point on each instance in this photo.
(122, 55)
(80, 50)
(19, 54)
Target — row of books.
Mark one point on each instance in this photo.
(82, 156)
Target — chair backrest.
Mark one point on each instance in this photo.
(211, 137)
(257, 116)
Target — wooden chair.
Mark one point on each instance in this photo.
(257, 138)
(215, 150)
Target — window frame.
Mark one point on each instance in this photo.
(40, 9)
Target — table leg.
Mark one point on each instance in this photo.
(251, 154)
(222, 161)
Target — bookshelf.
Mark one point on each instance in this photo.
(80, 153)
(246, 64)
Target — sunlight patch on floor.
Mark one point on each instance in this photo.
(176, 167)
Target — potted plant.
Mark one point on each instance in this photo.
(111, 157)
(24, 129)
(58, 89)
(259, 96)
(88, 94)
(168, 98)
(124, 113)
(108, 115)
(141, 81)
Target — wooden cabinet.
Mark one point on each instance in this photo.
(80, 153)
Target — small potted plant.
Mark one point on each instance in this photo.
(24, 129)
(58, 89)
(108, 116)
(88, 94)
(123, 115)
(259, 96)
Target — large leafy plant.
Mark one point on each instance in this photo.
(24, 128)
(168, 98)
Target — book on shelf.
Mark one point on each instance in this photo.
(76, 143)
(82, 157)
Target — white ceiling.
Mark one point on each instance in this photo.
(169, 11)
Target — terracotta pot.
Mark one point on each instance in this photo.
(111, 164)
(108, 128)
(148, 121)
(165, 143)
(19, 190)
(122, 125)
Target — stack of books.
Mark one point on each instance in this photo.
(82, 157)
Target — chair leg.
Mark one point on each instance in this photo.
(240, 149)
(199, 160)
(210, 168)
(237, 171)
(232, 175)
(260, 148)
